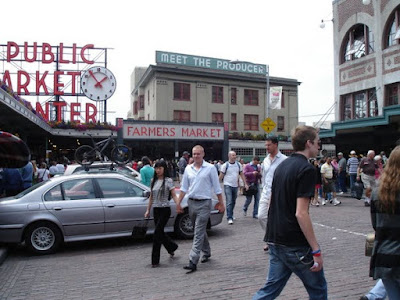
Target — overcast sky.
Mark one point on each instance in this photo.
(284, 34)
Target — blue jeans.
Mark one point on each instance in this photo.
(230, 195)
(283, 261)
(378, 292)
(392, 286)
(342, 181)
(256, 200)
(353, 178)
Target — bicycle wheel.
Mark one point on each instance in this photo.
(85, 155)
(121, 154)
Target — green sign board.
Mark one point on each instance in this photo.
(209, 63)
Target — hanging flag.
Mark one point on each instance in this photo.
(275, 96)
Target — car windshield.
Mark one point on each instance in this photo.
(28, 190)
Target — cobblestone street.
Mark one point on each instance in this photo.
(121, 269)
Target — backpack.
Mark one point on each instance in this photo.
(227, 166)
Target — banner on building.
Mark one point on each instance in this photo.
(275, 97)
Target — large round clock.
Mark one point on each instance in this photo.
(98, 83)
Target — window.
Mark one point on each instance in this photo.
(76, 189)
(250, 97)
(261, 152)
(243, 151)
(182, 115)
(251, 122)
(392, 94)
(233, 96)
(181, 91)
(281, 123)
(148, 97)
(359, 105)
(233, 122)
(217, 117)
(347, 107)
(135, 107)
(359, 43)
(217, 94)
(117, 188)
(141, 102)
(393, 31)
(283, 100)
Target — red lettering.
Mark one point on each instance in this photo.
(11, 55)
(74, 75)
(26, 52)
(74, 112)
(57, 83)
(199, 132)
(46, 50)
(61, 59)
(143, 131)
(172, 131)
(7, 79)
(129, 130)
(212, 133)
(40, 83)
(74, 53)
(205, 132)
(92, 116)
(59, 105)
(22, 86)
(90, 46)
(136, 131)
(165, 132)
(185, 131)
(39, 109)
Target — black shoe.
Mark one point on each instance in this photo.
(172, 253)
(204, 259)
(155, 265)
(367, 204)
(364, 298)
(191, 267)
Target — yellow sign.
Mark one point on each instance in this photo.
(268, 125)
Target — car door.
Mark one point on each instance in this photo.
(124, 204)
(74, 204)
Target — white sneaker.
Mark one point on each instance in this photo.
(341, 193)
(336, 202)
(230, 221)
(323, 202)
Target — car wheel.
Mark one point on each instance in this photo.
(43, 238)
(184, 226)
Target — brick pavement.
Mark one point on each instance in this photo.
(120, 269)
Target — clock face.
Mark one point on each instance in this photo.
(98, 83)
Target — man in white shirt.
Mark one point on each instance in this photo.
(230, 172)
(270, 163)
(200, 180)
(328, 181)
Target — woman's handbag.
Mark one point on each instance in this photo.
(369, 243)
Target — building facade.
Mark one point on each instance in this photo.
(186, 93)
(367, 75)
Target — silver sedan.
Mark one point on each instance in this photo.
(84, 207)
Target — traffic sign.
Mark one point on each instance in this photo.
(268, 125)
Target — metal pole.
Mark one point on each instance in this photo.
(267, 93)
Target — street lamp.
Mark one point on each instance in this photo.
(267, 80)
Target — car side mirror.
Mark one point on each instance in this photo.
(146, 194)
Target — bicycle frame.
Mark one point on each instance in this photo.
(103, 144)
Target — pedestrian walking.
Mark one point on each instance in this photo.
(252, 173)
(270, 163)
(328, 182)
(230, 173)
(385, 216)
(342, 163)
(293, 247)
(162, 190)
(366, 171)
(352, 166)
(199, 181)
(182, 163)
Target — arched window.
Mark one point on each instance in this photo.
(392, 35)
(359, 42)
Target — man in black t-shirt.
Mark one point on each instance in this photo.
(290, 235)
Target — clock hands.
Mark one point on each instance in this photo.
(97, 82)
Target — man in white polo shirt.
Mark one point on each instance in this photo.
(230, 172)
